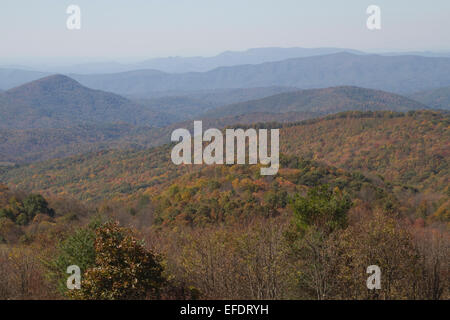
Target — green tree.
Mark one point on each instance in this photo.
(77, 249)
(32, 205)
(322, 208)
(316, 217)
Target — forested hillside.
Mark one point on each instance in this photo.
(355, 188)
(155, 150)
(321, 101)
(24, 146)
(404, 148)
(411, 149)
(89, 122)
(58, 101)
(187, 105)
(19, 146)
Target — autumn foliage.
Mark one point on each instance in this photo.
(124, 268)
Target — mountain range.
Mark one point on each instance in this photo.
(399, 74)
(234, 58)
(177, 64)
(191, 64)
(56, 116)
(362, 177)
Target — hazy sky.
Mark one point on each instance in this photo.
(119, 29)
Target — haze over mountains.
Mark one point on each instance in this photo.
(59, 115)
(435, 98)
(400, 74)
(234, 58)
(55, 116)
(177, 64)
(10, 78)
(192, 64)
(191, 104)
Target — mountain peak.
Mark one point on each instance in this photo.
(55, 82)
(58, 80)
(57, 77)
(58, 101)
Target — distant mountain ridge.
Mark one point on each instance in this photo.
(10, 78)
(180, 64)
(24, 141)
(436, 98)
(399, 74)
(321, 101)
(234, 58)
(58, 101)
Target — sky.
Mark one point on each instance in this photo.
(127, 30)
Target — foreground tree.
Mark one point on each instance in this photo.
(310, 238)
(382, 240)
(78, 249)
(124, 268)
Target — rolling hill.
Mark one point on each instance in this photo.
(44, 143)
(190, 104)
(320, 101)
(399, 74)
(25, 146)
(436, 98)
(404, 148)
(58, 101)
(232, 224)
(407, 148)
(19, 146)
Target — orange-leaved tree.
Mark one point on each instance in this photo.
(124, 268)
